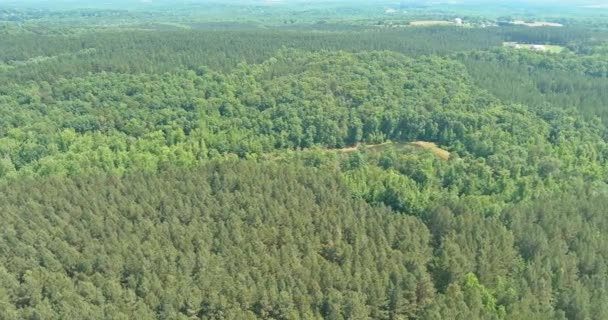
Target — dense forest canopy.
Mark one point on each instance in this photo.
(303, 160)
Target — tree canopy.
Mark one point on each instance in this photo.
(161, 165)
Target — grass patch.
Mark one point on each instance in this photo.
(432, 147)
(441, 153)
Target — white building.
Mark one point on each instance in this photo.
(458, 21)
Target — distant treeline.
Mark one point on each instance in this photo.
(165, 50)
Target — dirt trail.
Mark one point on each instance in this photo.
(355, 148)
(441, 153)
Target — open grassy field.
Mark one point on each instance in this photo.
(554, 48)
(528, 46)
(430, 23)
(537, 24)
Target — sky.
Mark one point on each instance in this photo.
(139, 3)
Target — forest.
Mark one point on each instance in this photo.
(302, 161)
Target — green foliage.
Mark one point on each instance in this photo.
(566, 81)
(203, 243)
(53, 57)
(204, 170)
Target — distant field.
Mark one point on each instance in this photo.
(430, 23)
(537, 24)
(528, 46)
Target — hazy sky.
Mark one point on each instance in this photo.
(122, 3)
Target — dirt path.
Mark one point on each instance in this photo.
(441, 153)
(355, 148)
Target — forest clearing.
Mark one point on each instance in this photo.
(431, 146)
